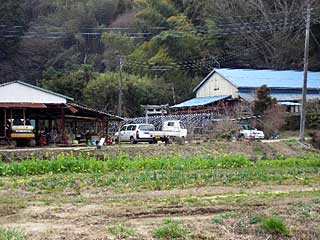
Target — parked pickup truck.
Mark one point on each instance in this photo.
(249, 132)
(172, 130)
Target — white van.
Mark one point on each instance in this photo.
(135, 133)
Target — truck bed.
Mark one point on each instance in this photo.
(162, 134)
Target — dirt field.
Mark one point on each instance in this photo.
(50, 207)
(254, 150)
(90, 215)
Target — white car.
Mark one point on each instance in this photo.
(135, 133)
(249, 132)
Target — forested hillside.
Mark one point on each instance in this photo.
(75, 47)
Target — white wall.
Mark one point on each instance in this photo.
(19, 93)
(216, 85)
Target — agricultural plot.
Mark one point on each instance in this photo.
(208, 196)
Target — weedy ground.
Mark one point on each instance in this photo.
(208, 196)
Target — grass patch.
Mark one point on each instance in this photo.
(220, 218)
(271, 225)
(172, 229)
(121, 232)
(10, 234)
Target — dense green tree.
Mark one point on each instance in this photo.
(70, 84)
(174, 43)
(116, 45)
(11, 14)
(263, 100)
(102, 93)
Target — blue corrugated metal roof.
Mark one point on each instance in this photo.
(200, 101)
(271, 78)
(250, 97)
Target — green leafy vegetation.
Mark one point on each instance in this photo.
(172, 229)
(123, 163)
(71, 164)
(220, 218)
(156, 173)
(273, 224)
(121, 232)
(10, 234)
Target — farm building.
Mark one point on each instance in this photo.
(31, 112)
(217, 104)
(286, 86)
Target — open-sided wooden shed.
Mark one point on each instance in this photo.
(50, 111)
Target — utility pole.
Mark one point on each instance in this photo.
(120, 87)
(173, 93)
(305, 78)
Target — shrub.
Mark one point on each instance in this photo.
(273, 120)
(316, 139)
(171, 229)
(226, 129)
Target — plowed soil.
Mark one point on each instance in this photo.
(144, 212)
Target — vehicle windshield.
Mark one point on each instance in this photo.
(182, 125)
(147, 128)
(247, 127)
(21, 122)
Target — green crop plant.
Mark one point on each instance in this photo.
(156, 173)
(272, 225)
(172, 229)
(71, 164)
(220, 218)
(10, 234)
(121, 232)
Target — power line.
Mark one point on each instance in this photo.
(182, 65)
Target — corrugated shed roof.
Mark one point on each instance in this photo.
(111, 116)
(200, 101)
(272, 78)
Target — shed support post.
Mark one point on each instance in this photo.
(102, 127)
(37, 131)
(62, 127)
(106, 129)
